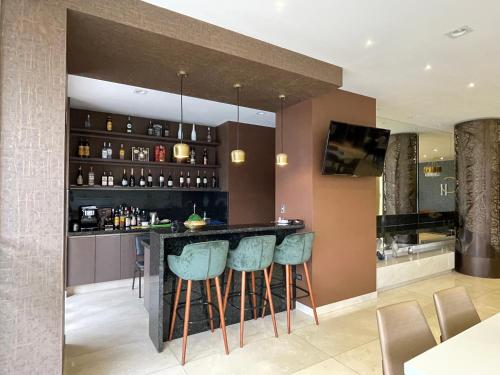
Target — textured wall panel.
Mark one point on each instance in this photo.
(477, 148)
(400, 174)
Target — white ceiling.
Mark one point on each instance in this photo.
(96, 95)
(406, 35)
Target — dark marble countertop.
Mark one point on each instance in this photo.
(182, 231)
(100, 232)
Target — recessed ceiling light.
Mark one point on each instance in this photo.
(260, 113)
(428, 67)
(471, 85)
(435, 150)
(461, 31)
(140, 91)
(369, 43)
(425, 156)
(442, 158)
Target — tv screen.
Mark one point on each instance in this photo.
(354, 150)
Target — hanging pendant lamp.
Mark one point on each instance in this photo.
(281, 158)
(238, 155)
(181, 150)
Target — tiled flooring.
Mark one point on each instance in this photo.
(107, 333)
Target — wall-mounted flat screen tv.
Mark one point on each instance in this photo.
(354, 150)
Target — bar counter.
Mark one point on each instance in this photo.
(161, 281)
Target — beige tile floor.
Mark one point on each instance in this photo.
(107, 333)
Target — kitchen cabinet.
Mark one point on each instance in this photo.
(81, 260)
(127, 250)
(107, 257)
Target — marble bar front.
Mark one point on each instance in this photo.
(160, 281)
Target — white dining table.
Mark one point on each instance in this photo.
(475, 351)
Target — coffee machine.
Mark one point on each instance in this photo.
(88, 218)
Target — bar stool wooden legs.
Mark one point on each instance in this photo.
(309, 287)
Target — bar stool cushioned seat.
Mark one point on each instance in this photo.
(200, 261)
(254, 253)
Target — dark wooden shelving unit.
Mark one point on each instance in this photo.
(133, 164)
(137, 188)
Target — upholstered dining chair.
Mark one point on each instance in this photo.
(455, 311)
(404, 334)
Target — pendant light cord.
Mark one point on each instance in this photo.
(182, 109)
(282, 100)
(238, 118)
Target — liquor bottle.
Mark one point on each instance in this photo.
(205, 157)
(181, 180)
(142, 180)
(91, 176)
(104, 152)
(81, 152)
(192, 159)
(193, 133)
(198, 180)
(214, 181)
(124, 178)
(87, 124)
(188, 180)
(122, 218)
(131, 181)
(86, 148)
(170, 181)
(166, 132)
(122, 152)
(133, 218)
(150, 128)
(104, 179)
(150, 179)
(110, 151)
(79, 178)
(109, 124)
(205, 179)
(209, 136)
(116, 220)
(111, 180)
(161, 179)
(127, 219)
(129, 126)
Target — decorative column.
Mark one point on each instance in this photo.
(477, 149)
(400, 174)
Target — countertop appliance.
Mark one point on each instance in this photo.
(88, 218)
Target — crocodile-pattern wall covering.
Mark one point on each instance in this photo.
(400, 174)
(477, 148)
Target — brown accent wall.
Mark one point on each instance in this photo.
(251, 186)
(340, 210)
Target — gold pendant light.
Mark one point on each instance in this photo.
(181, 150)
(281, 158)
(238, 155)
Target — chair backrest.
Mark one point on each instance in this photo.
(139, 247)
(404, 334)
(298, 247)
(253, 253)
(455, 311)
(200, 261)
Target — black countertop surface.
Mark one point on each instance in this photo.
(99, 232)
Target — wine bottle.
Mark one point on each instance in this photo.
(81, 152)
(181, 180)
(161, 179)
(91, 176)
(86, 148)
(131, 181)
(104, 179)
(110, 151)
(150, 179)
(104, 152)
(170, 181)
(193, 133)
(188, 180)
(133, 218)
(192, 160)
(129, 126)
(109, 124)
(124, 178)
(198, 180)
(166, 132)
(214, 181)
(87, 124)
(142, 180)
(122, 152)
(116, 220)
(79, 178)
(111, 180)
(205, 156)
(205, 179)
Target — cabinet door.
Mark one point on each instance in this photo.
(107, 257)
(127, 248)
(81, 260)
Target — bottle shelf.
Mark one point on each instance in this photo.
(138, 188)
(138, 137)
(132, 163)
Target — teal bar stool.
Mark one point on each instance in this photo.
(200, 261)
(294, 250)
(252, 254)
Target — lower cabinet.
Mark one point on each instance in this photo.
(127, 253)
(81, 260)
(107, 257)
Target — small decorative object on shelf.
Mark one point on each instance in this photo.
(109, 124)
(87, 124)
(166, 132)
(129, 126)
(209, 136)
(160, 153)
(193, 133)
(157, 128)
(150, 128)
(140, 153)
